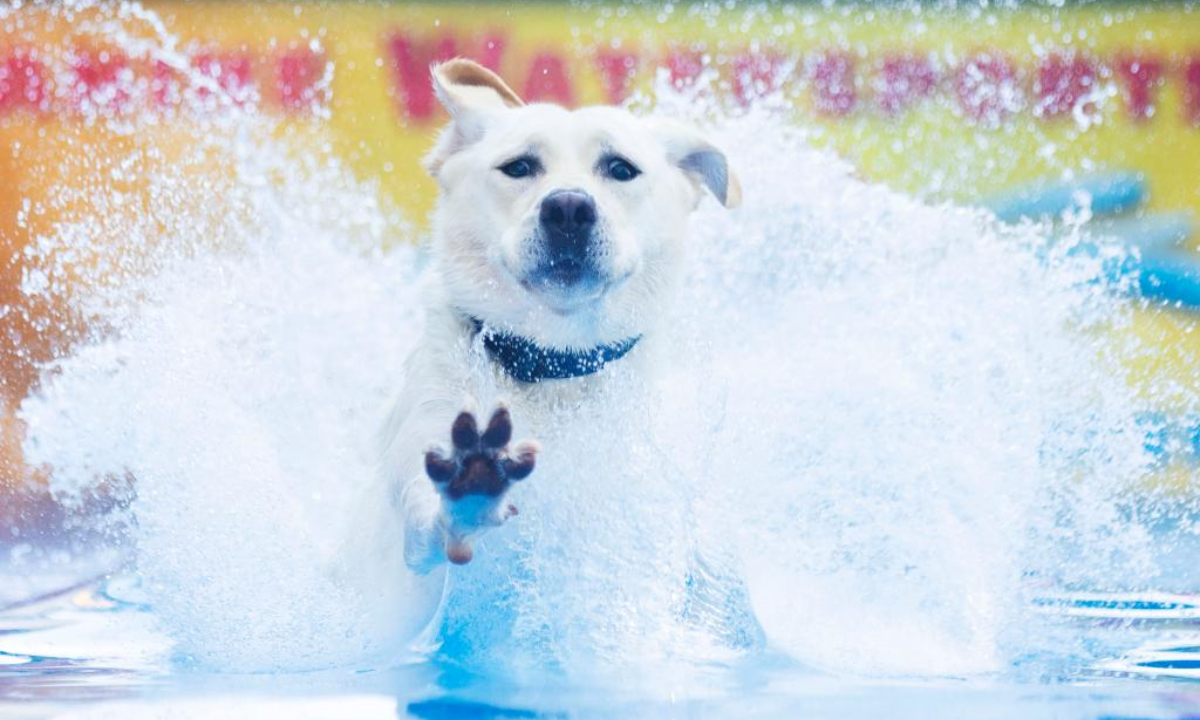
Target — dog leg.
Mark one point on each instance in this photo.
(473, 479)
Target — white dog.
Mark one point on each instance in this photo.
(558, 242)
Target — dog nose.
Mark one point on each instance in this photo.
(568, 215)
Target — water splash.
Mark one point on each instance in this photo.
(878, 422)
(930, 406)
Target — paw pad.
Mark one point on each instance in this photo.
(480, 463)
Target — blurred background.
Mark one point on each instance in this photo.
(1083, 112)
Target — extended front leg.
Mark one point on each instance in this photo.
(474, 478)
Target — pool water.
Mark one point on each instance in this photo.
(88, 646)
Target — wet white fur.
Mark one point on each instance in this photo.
(483, 244)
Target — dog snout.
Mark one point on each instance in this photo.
(567, 218)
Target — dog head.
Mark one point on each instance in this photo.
(566, 227)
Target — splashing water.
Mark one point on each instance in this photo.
(879, 422)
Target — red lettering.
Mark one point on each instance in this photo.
(903, 80)
(684, 67)
(1142, 77)
(834, 84)
(298, 75)
(101, 81)
(616, 72)
(987, 89)
(1191, 91)
(411, 59)
(491, 51)
(410, 63)
(231, 73)
(22, 83)
(755, 75)
(164, 85)
(1063, 82)
(548, 80)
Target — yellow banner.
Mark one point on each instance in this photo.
(945, 103)
(960, 103)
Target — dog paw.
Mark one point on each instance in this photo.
(474, 477)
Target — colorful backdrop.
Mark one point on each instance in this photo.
(963, 104)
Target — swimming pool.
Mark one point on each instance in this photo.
(92, 650)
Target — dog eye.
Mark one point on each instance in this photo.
(519, 168)
(620, 169)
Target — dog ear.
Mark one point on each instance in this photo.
(464, 85)
(469, 92)
(700, 160)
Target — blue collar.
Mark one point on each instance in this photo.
(526, 361)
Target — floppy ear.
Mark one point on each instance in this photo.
(464, 85)
(702, 161)
(469, 92)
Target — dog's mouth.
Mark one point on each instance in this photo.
(566, 274)
(568, 285)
